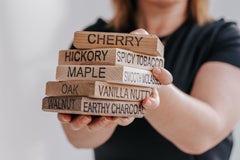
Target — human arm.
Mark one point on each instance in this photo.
(197, 122)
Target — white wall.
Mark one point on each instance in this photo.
(31, 33)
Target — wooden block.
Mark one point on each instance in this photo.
(114, 74)
(97, 89)
(90, 106)
(147, 44)
(109, 56)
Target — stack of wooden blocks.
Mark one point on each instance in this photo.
(109, 74)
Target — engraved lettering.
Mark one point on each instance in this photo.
(119, 39)
(93, 41)
(138, 40)
(101, 39)
(110, 39)
(129, 39)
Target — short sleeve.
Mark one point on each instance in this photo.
(226, 46)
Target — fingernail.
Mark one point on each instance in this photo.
(115, 119)
(136, 32)
(85, 119)
(141, 31)
(65, 119)
(74, 127)
(156, 70)
(148, 103)
(105, 119)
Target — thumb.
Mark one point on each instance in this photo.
(140, 31)
(162, 75)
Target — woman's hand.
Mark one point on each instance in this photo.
(161, 74)
(165, 78)
(100, 123)
(85, 131)
(93, 124)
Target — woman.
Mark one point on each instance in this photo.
(198, 111)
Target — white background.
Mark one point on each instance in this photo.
(31, 33)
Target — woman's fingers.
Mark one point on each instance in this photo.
(139, 31)
(123, 121)
(97, 124)
(162, 75)
(80, 122)
(152, 102)
(108, 122)
(101, 123)
(64, 118)
(94, 125)
(165, 78)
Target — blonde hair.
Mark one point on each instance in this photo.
(199, 11)
(125, 11)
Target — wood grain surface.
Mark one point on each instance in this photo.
(109, 56)
(97, 89)
(90, 106)
(114, 74)
(147, 44)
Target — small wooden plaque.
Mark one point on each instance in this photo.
(114, 74)
(109, 56)
(90, 106)
(97, 89)
(147, 44)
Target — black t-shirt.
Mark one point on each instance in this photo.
(185, 51)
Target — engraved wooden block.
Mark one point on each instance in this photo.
(90, 106)
(114, 74)
(109, 56)
(147, 44)
(97, 89)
